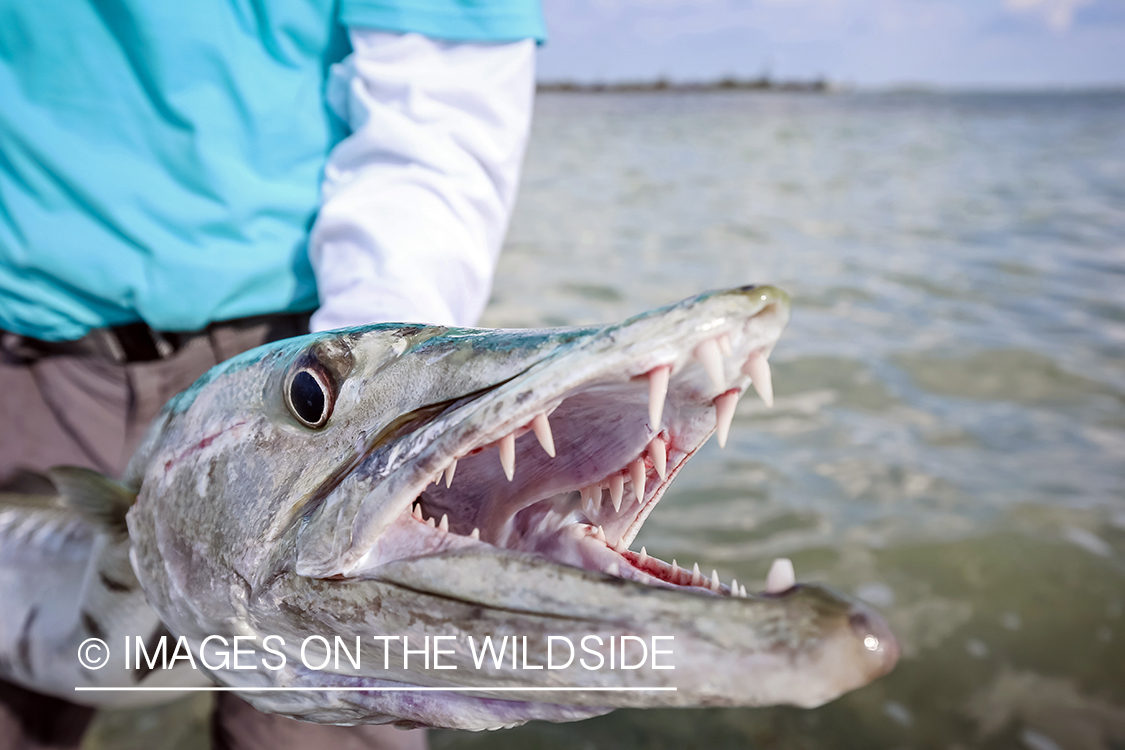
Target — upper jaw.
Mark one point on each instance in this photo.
(600, 396)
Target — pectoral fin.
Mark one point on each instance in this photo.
(101, 500)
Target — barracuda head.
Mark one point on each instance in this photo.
(416, 482)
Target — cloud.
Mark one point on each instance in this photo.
(1059, 14)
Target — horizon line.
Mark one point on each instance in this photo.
(817, 84)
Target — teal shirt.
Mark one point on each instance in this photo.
(160, 161)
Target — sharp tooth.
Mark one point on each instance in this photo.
(759, 371)
(724, 345)
(542, 430)
(430, 522)
(715, 580)
(637, 472)
(658, 452)
(601, 534)
(616, 490)
(724, 415)
(734, 587)
(742, 591)
(696, 578)
(589, 494)
(781, 576)
(711, 358)
(508, 455)
(417, 511)
(619, 547)
(643, 558)
(675, 570)
(449, 473)
(612, 569)
(475, 534)
(444, 525)
(657, 392)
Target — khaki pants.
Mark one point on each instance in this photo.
(86, 411)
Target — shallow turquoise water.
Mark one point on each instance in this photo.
(949, 436)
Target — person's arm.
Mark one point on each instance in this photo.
(416, 201)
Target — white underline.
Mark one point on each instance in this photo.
(221, 689)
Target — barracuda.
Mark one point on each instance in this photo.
(398, 483)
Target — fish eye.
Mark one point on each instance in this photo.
(310, 396)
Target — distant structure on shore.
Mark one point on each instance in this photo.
(762, 83)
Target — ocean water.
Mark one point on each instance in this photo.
(948, 441)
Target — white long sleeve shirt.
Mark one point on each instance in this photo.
(416, 201)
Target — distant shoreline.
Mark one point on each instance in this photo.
(763, 83)
(815, 86)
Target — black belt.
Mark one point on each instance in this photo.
(132, 342)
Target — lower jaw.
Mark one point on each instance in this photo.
(409, 710)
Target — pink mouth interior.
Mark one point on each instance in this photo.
(562, 507)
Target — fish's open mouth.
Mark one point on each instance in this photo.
(573, 474)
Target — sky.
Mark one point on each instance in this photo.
(870, 43)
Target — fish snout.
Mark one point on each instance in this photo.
(880, 647)
(765, 294)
